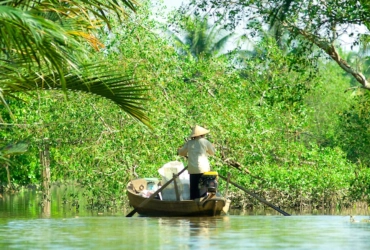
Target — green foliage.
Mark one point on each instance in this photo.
(198, 37)
(355, 122)
(327, 102)
(275, 120)
(317, 26)
(321, 175)
(359, 185)
(48, 45)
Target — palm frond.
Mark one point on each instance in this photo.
(42, 45)
(34, 40)
(201, 37)
(4, 159)
(220, 44)
(101, 79)
(14, 148)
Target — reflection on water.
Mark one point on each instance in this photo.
(29, 204)
(23, 226)
(265, 232)
(192, 233)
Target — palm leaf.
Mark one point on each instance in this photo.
(5, 159)
(14, 148)
(201, 37)
(42, 45)
(32, 40)
(51, 32)
(220, 44)
(101, 79)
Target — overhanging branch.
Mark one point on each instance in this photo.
(330, 50)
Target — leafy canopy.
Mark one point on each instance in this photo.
(47, 45)
(320, 24)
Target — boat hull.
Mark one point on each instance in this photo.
(211, 205)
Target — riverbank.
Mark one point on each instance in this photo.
(75, 198)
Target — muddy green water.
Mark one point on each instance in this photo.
(23, 225)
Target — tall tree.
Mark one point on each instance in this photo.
(200, 38)
(50, 44)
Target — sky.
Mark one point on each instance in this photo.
(173, 3)
(345, 40)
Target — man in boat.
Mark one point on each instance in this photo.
(197, 150)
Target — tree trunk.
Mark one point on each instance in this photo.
(45, 162)
(8, 175)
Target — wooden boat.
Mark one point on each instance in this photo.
(210, 205)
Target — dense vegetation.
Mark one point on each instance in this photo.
(285, 127)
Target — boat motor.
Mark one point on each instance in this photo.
(208, 182)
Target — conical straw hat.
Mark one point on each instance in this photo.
(198, 131)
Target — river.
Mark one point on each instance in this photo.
(23, 225)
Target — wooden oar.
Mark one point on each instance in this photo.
(142, 204)
(255, 196)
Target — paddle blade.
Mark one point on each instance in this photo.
(131, 213)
